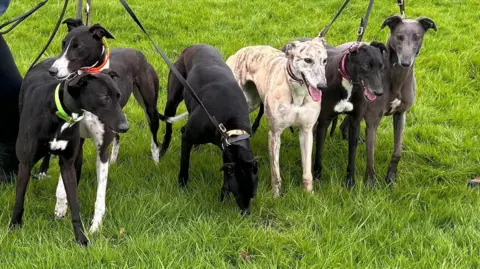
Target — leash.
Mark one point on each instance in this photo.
(325, 30)
(364, 22)
(52, 35)
(88, 5)
(226, 139)
(17, 20)
(401, 5)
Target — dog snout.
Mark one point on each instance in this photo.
(53, 71)
(378, 93)
(123, 127)
(405, 63)
(321, 85)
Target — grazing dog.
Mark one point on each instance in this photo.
(49, 112)
(10, 81)
(84, 51)
(288, 84)
(204, 69)
(403, 46)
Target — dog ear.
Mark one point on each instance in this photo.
(72, 23)
(391, 22)
(113, 74)
(379, 46)
(99, 32)
(75, 85)
(427, 23)
(289, 47)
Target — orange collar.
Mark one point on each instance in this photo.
(98, 69)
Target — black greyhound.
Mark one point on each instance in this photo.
(213, 81)
(10, 81)
(404, 44)
(49, 112)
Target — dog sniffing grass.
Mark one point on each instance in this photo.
(428, 220)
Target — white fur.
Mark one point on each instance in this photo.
(395, 103)
(344, 105)
(61, 205)
(102, 177)
(155, 152)
(58, 144)
(177, 118)
(115, 150)
(43, 175)
(92, 127)
(61, 64)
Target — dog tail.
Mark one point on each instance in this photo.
(172, 119)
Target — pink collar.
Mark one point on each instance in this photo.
(342, 70)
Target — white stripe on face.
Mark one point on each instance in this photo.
(61, 64)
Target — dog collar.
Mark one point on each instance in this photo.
(343, 70)
(61, 113)
(234, 136)
(98, 69)
(236, 132)
(292, 75)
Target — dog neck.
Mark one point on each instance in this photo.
(342, 69)
(99, 66)
(292, 75)
(66, 107)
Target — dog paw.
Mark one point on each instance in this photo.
(82, 240)
(41, 175)
(276, 192)
(95, 227)
(308, 186)
(61, 209)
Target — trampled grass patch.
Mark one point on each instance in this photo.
(428, 220)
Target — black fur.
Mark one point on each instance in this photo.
(213, 81)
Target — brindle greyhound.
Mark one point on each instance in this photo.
(403, 45)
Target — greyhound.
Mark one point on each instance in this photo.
(288, 84)
(84, 51)
(398, 78)
(203, 68)
(49, 113)
(10, 81)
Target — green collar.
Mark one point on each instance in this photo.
(61, 112)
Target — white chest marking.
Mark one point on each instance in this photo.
(58, 144)
(344, 105)
(91, 126)
(395, 103)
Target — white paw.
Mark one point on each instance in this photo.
(95, 226)
(42, 175)
(61, 209)
(155, 152)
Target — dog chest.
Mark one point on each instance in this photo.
(344, 105)
(92, 127)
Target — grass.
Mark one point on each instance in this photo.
(428, 220)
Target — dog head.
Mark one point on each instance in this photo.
(365, 65)
(240, 174)
(406, 37)
(308, 60)
(99, 95)
(81, 47)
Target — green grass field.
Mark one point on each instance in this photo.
(428, 220)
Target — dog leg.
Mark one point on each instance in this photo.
(398, 128)
(184, 161)
(344, 127)
(22, 183)
(371, 136)
(353, 136)
(274, 144)
(321, 134)
(102, 177)
(44, 167)
(115, 149)
(61, 205)
(67, 170)
(256, 124)
(306, 145)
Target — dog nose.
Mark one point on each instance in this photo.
(53, 71)
(321, 85)
(378, 93)
(123, 127)
(405, 64)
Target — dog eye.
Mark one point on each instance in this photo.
(366, 66)
(308, 60)
(106, 99)
(400, 37)
(415, 37)
(325, 61)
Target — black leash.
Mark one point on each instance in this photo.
(16, 21)
(401, 5)
(88, 6)
(364, 22)
(54, 32)
(325, 30)
(220, 128)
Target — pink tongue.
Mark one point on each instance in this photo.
(315, 93)
(370, 96)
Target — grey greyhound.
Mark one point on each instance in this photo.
(403, 46)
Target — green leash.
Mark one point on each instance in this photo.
(61, 112)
